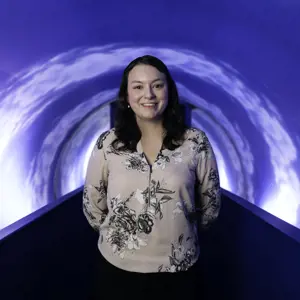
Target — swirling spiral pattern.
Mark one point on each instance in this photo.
(43, 155)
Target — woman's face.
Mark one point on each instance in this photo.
(147, 92)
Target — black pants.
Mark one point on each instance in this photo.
(113, 283)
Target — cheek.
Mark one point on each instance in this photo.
(164, 98)
(133, 98)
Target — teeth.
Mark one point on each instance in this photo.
(149, 105)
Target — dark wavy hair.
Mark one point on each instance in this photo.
(126, 128)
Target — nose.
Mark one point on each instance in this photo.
(149, 94)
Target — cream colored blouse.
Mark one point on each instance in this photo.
(142, 211)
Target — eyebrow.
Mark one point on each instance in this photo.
(137, 81)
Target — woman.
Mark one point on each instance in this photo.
(145, 178)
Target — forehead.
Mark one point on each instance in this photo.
(145, 73)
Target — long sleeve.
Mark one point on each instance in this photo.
(95, 188)
(208, 182)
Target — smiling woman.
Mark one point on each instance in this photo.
(147, 92)
(147, 80)
(145, 179)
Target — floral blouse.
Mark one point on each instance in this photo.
(142, 212)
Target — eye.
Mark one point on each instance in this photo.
(159, 85)
(138, 87)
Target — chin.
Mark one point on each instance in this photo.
(149, 117)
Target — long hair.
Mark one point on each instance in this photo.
(126, 129)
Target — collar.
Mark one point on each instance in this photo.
(139, 148)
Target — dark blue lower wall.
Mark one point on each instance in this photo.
(243, 256)
(51, 258)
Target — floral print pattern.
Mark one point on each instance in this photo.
(101, 139)
(178, 209)
(200, 143)
(128, 230)
(149, 208)
(181, 258)
(177, 157)
(161, 161)
(213, 195)
(88, 207)
(136, 162)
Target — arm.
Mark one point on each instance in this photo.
(208, 186)
(94, 193)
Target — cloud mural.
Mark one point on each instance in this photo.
(53, 111)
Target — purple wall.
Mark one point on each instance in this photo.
(236, 61)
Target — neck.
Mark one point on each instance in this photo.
(151, 129)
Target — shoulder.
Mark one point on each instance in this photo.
(199, 143)
(197, 140)
(195, 134)
(105, 139)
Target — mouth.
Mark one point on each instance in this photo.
(149, 105)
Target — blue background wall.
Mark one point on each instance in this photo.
(236, 61)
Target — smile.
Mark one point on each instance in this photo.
(149, 104)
